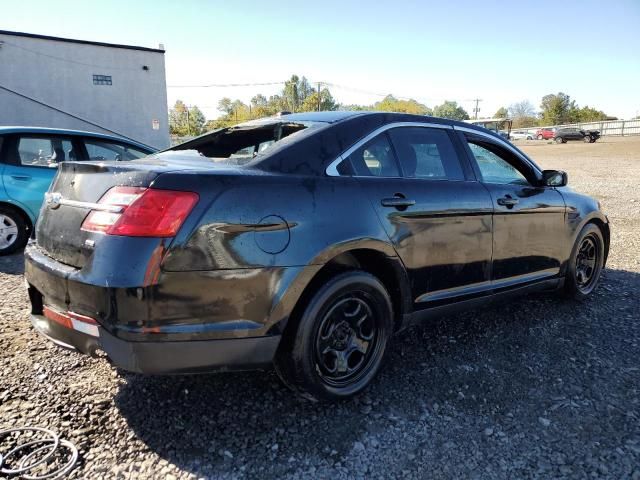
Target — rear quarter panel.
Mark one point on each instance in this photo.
(257, 244)
(268, 220)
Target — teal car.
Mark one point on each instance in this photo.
(29, 158)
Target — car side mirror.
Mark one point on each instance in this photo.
(554, 178)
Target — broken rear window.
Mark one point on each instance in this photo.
(242, 143)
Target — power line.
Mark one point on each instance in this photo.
(366, 92)
(327, 84)
(224, 85)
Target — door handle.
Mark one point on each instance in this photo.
(507, 201)
(21, 177)
(397, 201)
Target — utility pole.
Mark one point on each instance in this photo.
(188, 124)
(319, 95)
(476, 110)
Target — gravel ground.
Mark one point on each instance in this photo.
(540, 388)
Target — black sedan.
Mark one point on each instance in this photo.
(304, 241)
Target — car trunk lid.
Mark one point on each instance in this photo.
(76, 190)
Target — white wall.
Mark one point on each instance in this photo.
(61, 74)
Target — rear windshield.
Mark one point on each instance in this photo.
(241, 144)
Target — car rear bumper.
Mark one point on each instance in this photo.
(190, 322)
(166, 356)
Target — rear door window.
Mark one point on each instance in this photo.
(109, 151)
(44, 151)
(426, 153)
(375, 159)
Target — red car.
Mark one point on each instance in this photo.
(545, 133)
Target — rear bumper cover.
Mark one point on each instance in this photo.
(191, 322)
(166, 356)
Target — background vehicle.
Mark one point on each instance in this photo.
(563, 135)
(304, 240)
(29, 158)
(545, 133)
(521, 135)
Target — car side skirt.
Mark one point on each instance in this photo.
(482, 300)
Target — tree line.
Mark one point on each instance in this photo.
(299, 95)
(555, 109)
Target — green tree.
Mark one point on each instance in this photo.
(185, 121)
(196, 121)
(261, 107)
(450, 110)
(224, 105)
(296, 90)
(259, 100)
(297, 95)
(501, 113)
(178, 119)
(588, 114)
(392, 104)
(558, 109)
(327, 102)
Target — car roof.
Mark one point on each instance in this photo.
(340, 115)
(327, 117)
(62, 131)
(335, 117)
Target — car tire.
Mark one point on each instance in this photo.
(540, 137)
(14, 231)
(587, 139)
(336, 346)
(559, 140)
(586, 263)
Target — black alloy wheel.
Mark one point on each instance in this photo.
(586, 263)
(347, 339)
(336, 345)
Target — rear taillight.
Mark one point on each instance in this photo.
(145, 212)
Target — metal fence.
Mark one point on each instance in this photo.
(610, 127)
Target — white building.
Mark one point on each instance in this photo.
(63, 83)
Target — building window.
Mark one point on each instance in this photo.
(102, 80)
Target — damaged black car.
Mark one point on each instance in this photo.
(303, 241)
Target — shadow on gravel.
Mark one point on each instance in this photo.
(519, 361)
(12, 264)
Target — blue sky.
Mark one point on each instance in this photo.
(502, 52)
